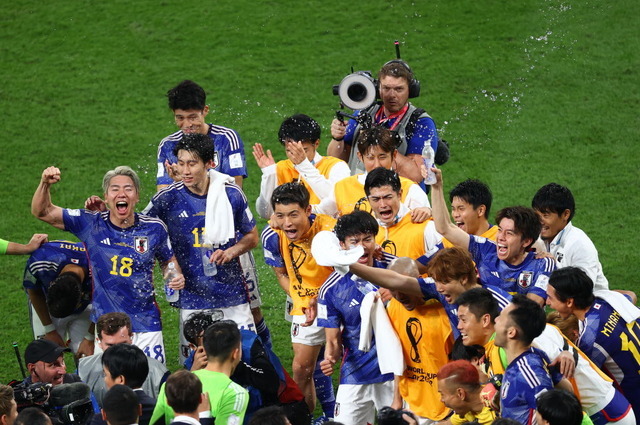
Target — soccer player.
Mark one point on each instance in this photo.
(363, 388)
(427, 340)
(214, 276)
(300, 136)
(376, 148)
(459, 388)
(470, 207)
(188, 101)
(14, 248)
(58, 284)
(414, 126)
(569, 245)
(228, 400)
(507, 263)
(122, 247)
(610, 327)
(287, 249)
(527, 373)
(398, 234)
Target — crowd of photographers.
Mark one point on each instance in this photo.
(430, 321)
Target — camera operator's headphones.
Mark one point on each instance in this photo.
(414, 85)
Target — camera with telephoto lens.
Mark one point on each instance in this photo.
(390, 416)
(64, 404)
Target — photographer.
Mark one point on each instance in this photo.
(45, 363)
(414, 126)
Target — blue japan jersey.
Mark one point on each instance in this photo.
(122, 261)
(339, 306)
(614, 346)
(429, 291)
(184, 213)
(229, 157)
(45, 264)
(530, 276)
(525, 378)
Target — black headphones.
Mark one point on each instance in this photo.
(414, 85)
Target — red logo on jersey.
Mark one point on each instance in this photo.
(141, 244)
(525, 279)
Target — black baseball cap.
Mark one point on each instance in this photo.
(43, 350)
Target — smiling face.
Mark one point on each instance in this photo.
(52, 373)
(452, 397)
(564, 308)
(376, 157)
(366, 241)
(293, 220)
(394, 92)
(121, 198)
(192, 120)
(385, 203)
(552, 223)
(451, 290)
(472, 328)
(193, 171)
(465, 216)
(509, 243)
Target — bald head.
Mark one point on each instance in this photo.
(405, 266)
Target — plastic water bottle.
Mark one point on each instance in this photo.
(427, 157)
(172, 294)
(210, 268)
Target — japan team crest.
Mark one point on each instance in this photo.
(141, 244)
(295, 329)
(525, 280)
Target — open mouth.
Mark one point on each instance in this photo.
(121, 207)
(460, 224)
(386, 215)
(364, 259)
(291, 233)
(502, 250)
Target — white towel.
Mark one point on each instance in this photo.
(326, 250)
(620, 303)
(389, 349)
(218, 220)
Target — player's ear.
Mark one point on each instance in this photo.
(308, 210)
(565, 215)
(482, 210)
(205, 111)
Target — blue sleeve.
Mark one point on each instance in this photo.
(330, 317)
(165, 153)
(424, 132)
(77, 221)
(479, 246)
(243, 218)
(271, 248)
(428, 288)
(164, 252)
(230, 151)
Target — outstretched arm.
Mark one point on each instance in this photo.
(387, 278)
(13, 248)
(440, 212)
(41, 205)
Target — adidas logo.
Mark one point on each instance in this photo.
(106, 241)
(353, 303)
(496, 274)
(183, 214)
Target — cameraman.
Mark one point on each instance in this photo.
(414, 126)
(45, 363)
(8, 406)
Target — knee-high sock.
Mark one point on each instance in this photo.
(263, 332)
(324, 388)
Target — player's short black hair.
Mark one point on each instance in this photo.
(183, 390)
(355, 223)
(473, 192)
(573, 282)
(382, 177)
(32, 416)
(196, 324)
(479, 301)
(559, 407)
(64, 295)
(187, 95)
(528, 316)
(290, 193)
(220, 339)
(271, 415)
(121, 405)
(525, 221)
(199, 144)
(385, 139)
(128, 361)
(299, 128)
(466, 352)
(554, 198)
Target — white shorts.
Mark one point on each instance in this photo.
(152, 344)
(306, 335)
(241, 314)
(248, 265)
(357, 404)
(71, 328)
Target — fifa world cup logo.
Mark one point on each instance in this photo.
(414, 332)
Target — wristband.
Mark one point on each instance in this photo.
(3, 246)
(338, 140)
(49, 328)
